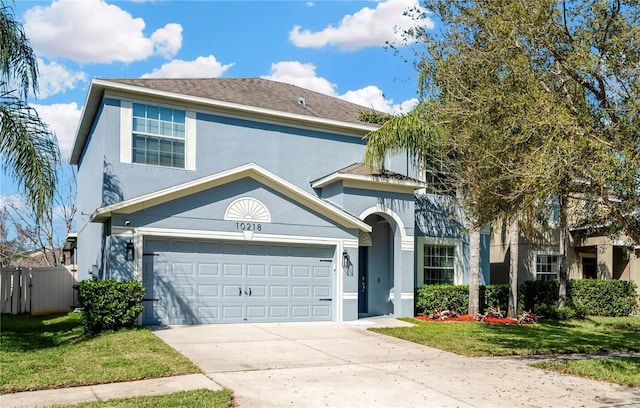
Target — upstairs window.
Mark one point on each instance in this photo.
(158, 136)
(547, 267)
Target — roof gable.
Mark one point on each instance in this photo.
(251, 170)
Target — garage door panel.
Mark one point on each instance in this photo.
(232, 291)
(322, 291)
(257, 270)
(279, 312)
(278, 291)
(321, 272)
(182, 268)
(209, 291)
(301, 311)
(232, 270)
(321, 311)
(232, 312)
(279, 271)
(300, 292)
(257, 312)
(298, 271)
(211, 283)
(209, 314)
(257, 292)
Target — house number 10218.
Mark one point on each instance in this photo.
(248, 226)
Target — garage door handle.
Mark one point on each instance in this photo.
(239, 290)
(150, 300)
(248, 293)
(325, 299)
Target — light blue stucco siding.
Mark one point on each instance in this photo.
(296, 155)
(439, 217)
(94, 178)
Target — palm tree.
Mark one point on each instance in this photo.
(28, 148)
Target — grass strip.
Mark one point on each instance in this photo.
(618, 370)
(592, 335)
(188, 399)
(53, 352)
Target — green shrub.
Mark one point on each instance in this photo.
(555, 313)
(600, 297)
(536, 295)
(430, 298)
(109, 304)
(492, 296)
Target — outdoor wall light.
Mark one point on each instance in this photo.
(346, 264)
(130, 251)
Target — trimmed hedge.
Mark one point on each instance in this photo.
(602, 297)
(430, 298)
(109, 304)
(594, 297)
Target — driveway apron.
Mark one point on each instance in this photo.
(327, 364)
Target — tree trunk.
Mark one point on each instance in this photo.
(474, 259)
(562, 259)
(514, 237)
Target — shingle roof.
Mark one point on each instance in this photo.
(257, 92)
(361, 169)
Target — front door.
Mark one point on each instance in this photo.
(363, 255)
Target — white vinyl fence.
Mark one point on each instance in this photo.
(37, 291)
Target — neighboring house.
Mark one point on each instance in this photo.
(590, 255)
(236, 199)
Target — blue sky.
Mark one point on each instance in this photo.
(333, 47)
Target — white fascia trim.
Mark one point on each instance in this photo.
(253, 111)
(368, 182)
(126, 139)
(223, 177)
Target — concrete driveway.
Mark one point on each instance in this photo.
(344, 365)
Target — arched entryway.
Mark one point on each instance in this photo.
(376, 267)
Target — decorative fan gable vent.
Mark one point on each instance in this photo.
(247, 209)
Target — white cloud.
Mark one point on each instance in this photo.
(365, 28)
(63, 121)
(93, 31)
(372, 97)
(304, 76)
(54, 78)
(201, 67)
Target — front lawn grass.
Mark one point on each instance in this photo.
(619, 370)
(187, 399)
(591, 335)
(53, 352)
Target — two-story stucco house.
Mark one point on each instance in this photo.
(245, 200)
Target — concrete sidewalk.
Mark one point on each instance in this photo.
(103, 392)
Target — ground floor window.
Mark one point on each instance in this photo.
(438, 264)
(547, 267)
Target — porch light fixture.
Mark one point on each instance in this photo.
(346, 263)
(130, 251)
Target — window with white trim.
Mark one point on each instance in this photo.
(158, 135)
(547, 267)
(439, 264)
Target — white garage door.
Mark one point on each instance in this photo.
(216, 282)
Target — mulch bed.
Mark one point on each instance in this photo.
(469, 318)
